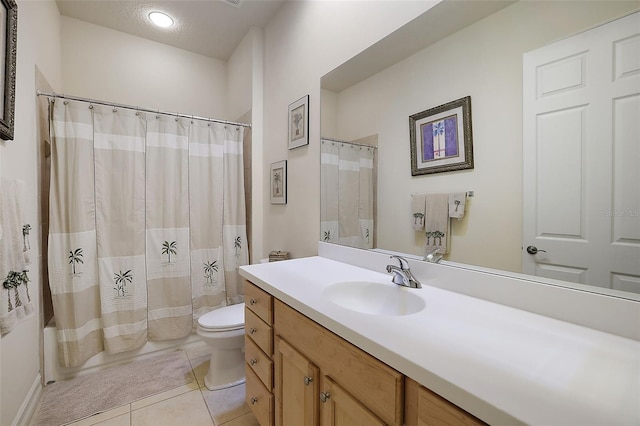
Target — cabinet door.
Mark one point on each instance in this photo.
(296, 387)
(339, 408)
(425, 408)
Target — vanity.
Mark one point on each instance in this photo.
(433, 356)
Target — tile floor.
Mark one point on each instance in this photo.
(192, 404)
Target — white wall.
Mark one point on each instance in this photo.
(483, 61)
(244, 94)
(304, 41)
(109, 65)
(38, 45)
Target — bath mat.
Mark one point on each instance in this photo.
(72, 400)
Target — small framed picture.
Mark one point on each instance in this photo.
(299, 123)
(278, 192)
(441, 139)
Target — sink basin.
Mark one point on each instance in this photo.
(375, 298)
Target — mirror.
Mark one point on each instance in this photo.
(454, 50)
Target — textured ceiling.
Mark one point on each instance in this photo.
(209, 27)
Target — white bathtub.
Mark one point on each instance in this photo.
(54, 372)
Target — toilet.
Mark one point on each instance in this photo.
(223, 331)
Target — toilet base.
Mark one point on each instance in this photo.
(226, 369)
(223, 386)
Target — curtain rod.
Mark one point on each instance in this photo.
(135, 108)
(323, 140)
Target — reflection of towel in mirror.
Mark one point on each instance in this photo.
(417, 211)
(437, 224)
(456, 204)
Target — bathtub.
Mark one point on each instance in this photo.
(54, 372)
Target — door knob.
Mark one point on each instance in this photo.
(534, 250)
(324, 396)
(308, 380)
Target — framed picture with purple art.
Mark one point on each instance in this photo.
(441, 139)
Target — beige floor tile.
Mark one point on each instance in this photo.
(245, 420)
(105, 416)
(153, 399)
(123, 420)
(186, 409)
(197, 350)
(201, 368)
(226, 404)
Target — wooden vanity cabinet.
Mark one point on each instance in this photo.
(323, 379)
(259, 353)
(299, 373)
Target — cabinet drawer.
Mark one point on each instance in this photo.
(376, 385)
(260, 363)
(259, 399)
(259, 302)
(258, 331)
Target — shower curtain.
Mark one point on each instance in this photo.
(347, 176)
(147, 226)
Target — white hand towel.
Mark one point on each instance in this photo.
(437, 224)
(456, 204)
(417, 211)
(15, 301)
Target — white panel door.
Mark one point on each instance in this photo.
(581, 135)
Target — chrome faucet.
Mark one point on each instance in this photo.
(433, 256)
(402, 275)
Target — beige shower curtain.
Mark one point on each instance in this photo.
(140, 208)
(347, 176)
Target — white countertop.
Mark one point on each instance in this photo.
(504, 365)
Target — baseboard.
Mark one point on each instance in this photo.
(30, 405)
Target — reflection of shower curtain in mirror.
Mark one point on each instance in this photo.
(347, 177)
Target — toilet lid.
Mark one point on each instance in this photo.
(228, 318)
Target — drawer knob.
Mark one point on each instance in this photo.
(308, 380)
(252, 302)
(254, 400)
(324, 396)
(253, 361)
(252, 330)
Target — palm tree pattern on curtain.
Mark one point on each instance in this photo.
(209, 268)
(75, 257)
(169, 248)
(121, 279)
(237, 245)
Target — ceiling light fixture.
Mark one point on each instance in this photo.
(161, 19)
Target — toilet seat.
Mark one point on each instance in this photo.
(223, 319)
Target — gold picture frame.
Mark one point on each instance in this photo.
(9, 29)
